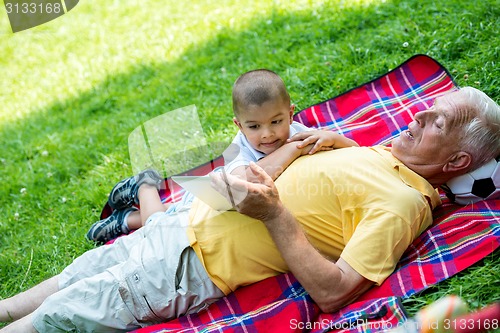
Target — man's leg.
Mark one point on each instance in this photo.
(24, 325)
(20, 305)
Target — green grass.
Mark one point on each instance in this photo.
(73, 89)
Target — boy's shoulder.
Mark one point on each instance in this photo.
(297, 127)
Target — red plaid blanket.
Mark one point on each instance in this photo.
(372, 113)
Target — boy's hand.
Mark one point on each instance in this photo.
(322, 140)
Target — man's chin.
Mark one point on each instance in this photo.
(396, 147)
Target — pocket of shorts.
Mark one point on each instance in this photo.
(154, 317)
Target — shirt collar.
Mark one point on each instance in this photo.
(410, 177)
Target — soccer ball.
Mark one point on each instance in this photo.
(480, 184)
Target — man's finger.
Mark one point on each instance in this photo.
(228, 188)
(262, 176)
(220, 181)
(231, 187)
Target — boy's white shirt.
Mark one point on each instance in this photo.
(247, 154)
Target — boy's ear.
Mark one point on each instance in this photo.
(459, 161)
(292, 110)
(237, 123)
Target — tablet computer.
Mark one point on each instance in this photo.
(200, 187)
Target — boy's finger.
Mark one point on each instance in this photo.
(299, 136)
(315, 148)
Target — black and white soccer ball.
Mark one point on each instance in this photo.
(480, 184)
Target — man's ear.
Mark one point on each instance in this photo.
(292, 110)
(458, 162)
(236, 122)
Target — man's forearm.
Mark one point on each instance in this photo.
(330, 286)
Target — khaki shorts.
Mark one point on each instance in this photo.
(148, 277)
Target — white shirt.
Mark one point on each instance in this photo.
(241, 153)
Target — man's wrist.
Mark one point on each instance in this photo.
(277, 214)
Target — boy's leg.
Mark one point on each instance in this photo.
(112, 226)
(122, 199)
(149, 201)
(125, 193)
(134, 220)
(22, 304)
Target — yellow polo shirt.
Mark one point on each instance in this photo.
(361, 204)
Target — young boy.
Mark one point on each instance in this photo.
(267, 135)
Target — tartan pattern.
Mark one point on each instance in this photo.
(280, 304)
(371, 114)
(377, 111)
(459, 237)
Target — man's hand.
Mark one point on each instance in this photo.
(322, 140)
(259, 200)
(331, 285)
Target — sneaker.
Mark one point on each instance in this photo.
(110, 227)
(124, 194)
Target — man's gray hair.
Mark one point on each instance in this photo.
(482, 135)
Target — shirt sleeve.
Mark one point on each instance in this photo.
(239, 153)
(377, 243)
(297, 127)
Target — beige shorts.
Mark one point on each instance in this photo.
(148, 277)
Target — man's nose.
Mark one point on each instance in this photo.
(422, 117)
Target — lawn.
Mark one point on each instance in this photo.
(74, 88)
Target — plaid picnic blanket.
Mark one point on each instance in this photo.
(371, 114)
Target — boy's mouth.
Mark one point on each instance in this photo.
(269, 144)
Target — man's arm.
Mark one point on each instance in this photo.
(330, 284)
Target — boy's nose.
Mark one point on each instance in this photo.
(266, 133)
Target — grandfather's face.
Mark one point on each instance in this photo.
(431, 140)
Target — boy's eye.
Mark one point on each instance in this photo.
(253, 126)
(277, 121)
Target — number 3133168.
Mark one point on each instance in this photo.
(472, 324)
(33, 8)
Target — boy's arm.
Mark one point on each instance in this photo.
(275, 163)
(322, 140)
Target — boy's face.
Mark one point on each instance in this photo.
(266, 127)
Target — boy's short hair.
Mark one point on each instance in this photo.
(257, 87)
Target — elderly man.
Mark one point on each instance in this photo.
(338, 220)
